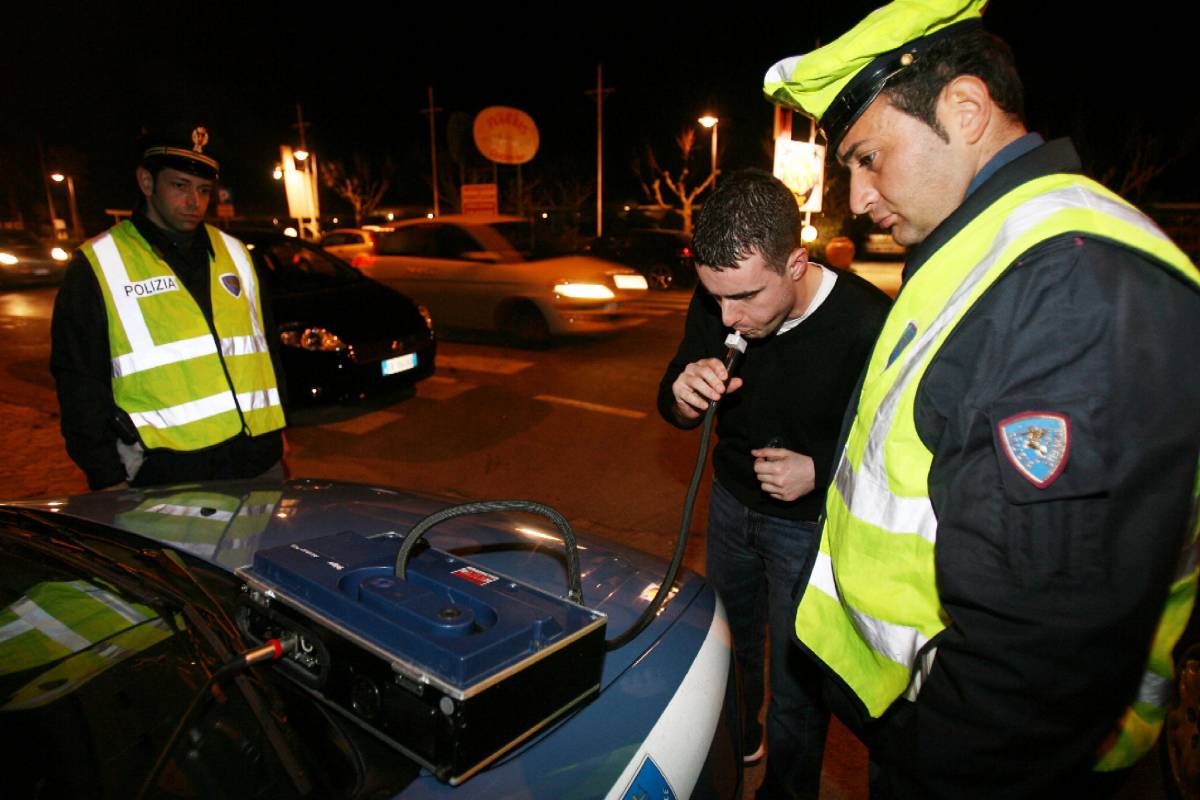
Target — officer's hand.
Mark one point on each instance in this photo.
(784, 475)
(700, 382)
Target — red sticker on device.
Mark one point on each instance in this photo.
(475, 576)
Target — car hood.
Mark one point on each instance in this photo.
(573, 267)
(227, 522)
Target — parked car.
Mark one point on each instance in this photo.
(131, 621)
(663, 256)
(482, 273)
(346, 243)
(341, 334)
(26, 260)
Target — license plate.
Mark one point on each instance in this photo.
(399, 364)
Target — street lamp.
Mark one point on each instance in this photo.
(710, 122)
(76, 228)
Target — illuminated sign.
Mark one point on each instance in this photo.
(505, 135)
(801, 166)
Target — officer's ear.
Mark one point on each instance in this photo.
(145, 181)
(968, 106)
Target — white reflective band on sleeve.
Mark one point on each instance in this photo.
(184, 413)
(174, 510)
(116, 604)
(266, 509)
(48, 625)
(158, 355)
(921, 671)
(246, 272)
(128, 309)
(872, 503)
(1155, 690)
(243, 345)
(254, 401)
(679, 742)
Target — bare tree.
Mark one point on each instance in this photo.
(362, 188)
(655, 177)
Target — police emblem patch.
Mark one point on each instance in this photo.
(232, 283)
(1037, 444)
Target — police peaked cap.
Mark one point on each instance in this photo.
(181, 147)
(836, 83)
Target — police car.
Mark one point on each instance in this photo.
(324, 639)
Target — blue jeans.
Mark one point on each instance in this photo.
(755, 561)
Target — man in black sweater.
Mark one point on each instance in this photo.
(810, 329)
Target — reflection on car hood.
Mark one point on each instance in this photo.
(576, 267)
(356, 311)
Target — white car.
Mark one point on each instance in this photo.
(346, 243)
(476, 273)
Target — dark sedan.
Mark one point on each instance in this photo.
(663, 256)
(341, 334)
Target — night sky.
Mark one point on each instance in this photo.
(85, 79)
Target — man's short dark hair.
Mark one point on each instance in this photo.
(915, 90)
(750, 211)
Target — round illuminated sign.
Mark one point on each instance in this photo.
(505, 135)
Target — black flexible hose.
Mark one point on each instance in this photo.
(680, 543)
(574, 582)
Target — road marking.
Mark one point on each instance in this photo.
(566, 401)
(496, 366)
(367, 423)
(436, 387)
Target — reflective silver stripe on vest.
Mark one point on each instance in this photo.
(246, 272)
(1155, 690)
(174, 510)
(256, 401)
(865, 491)
(49, 626)
(182, 414)
(127, 307)
(158, 355)
(243, 345)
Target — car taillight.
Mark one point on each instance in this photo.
(685, 252)
(362, 260)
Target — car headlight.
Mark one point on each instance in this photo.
(315, 339)
(58, 254)
(8, 258)
(630, 281)
(584, 291)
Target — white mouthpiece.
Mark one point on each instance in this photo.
(734, 341)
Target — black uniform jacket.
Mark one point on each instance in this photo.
(1052, 594)
(82, 367)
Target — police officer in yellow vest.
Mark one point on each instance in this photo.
(1007, 555)
(161, 352)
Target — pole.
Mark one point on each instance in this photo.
(433, 149)
(46, 182)
(600, 92)
(714, 152)
(314, 225)
(76, 227)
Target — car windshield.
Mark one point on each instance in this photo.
(290, 265)
(18, 239)
(102, 650)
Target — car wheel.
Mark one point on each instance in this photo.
(660, 276)
(525, 323)
(1180, 739)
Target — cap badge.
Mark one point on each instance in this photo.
(1037, 444)
(232, 283)
(199, 139)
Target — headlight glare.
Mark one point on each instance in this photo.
(58, 254)
(630, 281)
(317, 340)
(584, 291)
(8, 258)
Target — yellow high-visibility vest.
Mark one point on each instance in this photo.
(184, 387)
(872, 606)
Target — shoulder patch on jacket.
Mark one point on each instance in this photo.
(1037, 444)
(232, 283)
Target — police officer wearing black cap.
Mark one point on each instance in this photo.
(160, 350)
(1008, 554)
